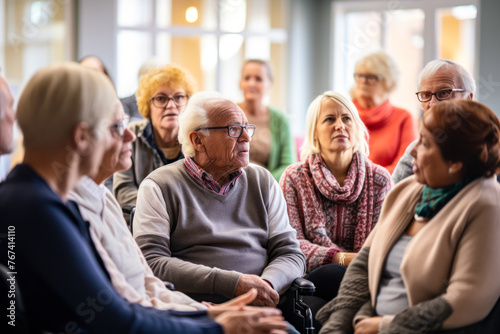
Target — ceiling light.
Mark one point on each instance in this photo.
(191, 14)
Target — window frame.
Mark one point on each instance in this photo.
(339, 9)
(274, 35)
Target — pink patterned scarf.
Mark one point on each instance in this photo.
(352, 204)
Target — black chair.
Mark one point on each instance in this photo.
(297, 312)
(294, 310)
(130, 211)
(489, 325)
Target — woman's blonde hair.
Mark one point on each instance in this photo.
(380, 63)
(59, 97)
(311, 145)
(170, 75)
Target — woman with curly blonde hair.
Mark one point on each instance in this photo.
(162, 95)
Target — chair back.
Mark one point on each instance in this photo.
(130, 211)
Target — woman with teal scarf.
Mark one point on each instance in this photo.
(432, 262)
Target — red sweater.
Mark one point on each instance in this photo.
(391, 130)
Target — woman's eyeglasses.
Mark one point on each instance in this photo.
(161, 101)
(371, 79)
(121, 126)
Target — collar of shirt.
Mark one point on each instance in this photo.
(206, 180)
(90, 194)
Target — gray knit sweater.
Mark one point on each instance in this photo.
(404, 167)
(202, 241)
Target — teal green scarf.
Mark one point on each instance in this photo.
(434, 200)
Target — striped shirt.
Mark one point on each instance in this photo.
(207, 181)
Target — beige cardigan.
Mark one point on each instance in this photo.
(455, 256)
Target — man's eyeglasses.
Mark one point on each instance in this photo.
(161, 101)
(371, 79)
(443, 94)
(121, 126)
(234, 130)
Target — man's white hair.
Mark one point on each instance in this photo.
(432, 67)
(195, 116)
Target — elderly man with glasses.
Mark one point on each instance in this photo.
(440, 80)
(213, 224)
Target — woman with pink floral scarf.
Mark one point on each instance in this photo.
(335, 194)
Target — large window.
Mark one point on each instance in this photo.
(210, 38)
(33, 34)
(412, 32)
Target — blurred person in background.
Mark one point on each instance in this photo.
(391, 129)
(272, 146)
(130, 102)
(94, 63)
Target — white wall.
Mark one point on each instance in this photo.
(309, 57)
(97, 31)
(488, 81)
(300, 59)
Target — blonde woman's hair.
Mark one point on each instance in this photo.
(57, 98)
(380, 63)
(170, 75)
(311, 146)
